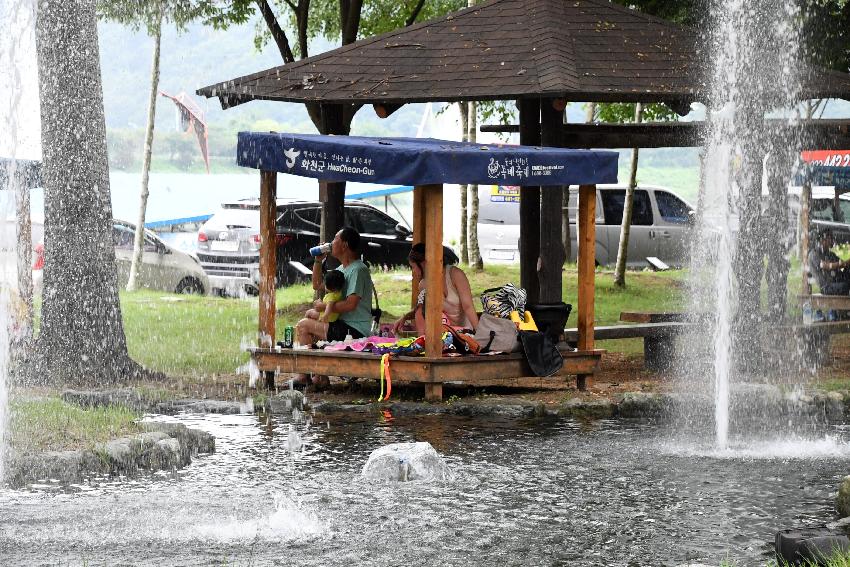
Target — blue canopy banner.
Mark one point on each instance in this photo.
(422, 161)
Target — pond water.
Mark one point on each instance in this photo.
(523, 493)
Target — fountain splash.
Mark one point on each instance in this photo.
(749, 40)
(18, 18)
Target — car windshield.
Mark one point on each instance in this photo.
(498, 205)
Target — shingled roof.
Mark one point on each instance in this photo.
(579, 50)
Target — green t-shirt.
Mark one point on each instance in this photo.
(358, 281)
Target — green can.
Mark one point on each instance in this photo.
(288, 333)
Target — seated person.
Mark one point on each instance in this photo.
(354, 308)
(829, 270)
(334, 282)
(458, 309)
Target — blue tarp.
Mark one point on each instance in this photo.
(830, 176)
(418, 161)
(380, 192)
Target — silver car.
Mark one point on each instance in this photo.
(163, 267)
(660, 224)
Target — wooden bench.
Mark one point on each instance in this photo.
(658, 340)
(815, 338)
(827, 302)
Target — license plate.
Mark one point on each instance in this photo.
(501, 255)
(224, 245)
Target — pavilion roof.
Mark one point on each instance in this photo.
(579, 50)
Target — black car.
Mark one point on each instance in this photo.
(229, 242)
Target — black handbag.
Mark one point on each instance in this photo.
(376, 311)
(542, 355)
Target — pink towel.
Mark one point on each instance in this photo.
(359, 345)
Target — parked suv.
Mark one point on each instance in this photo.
(229, 242)
(660, 224)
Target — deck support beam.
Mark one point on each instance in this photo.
(268, 265)
(433, 269)
(529, 204)
(551, 248)
(418, 234)
(586, 272)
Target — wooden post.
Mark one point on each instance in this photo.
(418, 233)
(332, 194)
(529, 203)
(586, 272)
(550, 247)
(268, 263)
(434, 279)
(805, 203)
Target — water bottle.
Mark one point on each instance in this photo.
(320, 250)
(807, 313)
(348, 339)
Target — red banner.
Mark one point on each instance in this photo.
(829, 158)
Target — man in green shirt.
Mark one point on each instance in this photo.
(355, 307)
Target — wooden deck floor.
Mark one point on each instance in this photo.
(492, 370)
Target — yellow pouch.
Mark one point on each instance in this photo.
(526, 324)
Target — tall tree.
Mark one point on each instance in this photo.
(464, 189)
(151, 15)
(628, 205)
(474, 251)
(343, 20)
(82, 335)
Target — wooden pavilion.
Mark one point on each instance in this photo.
(425, 164)
(541, 53)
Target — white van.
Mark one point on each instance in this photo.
(660, 224)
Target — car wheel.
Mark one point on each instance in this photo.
(190, 285)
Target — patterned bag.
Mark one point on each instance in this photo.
(500, 301)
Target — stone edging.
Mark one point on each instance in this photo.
(631, 405)
(163, 446)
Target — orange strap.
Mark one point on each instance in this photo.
(381, 393)
(386, 367)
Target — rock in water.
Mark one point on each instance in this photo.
(406, 461)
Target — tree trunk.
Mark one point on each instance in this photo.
(23, 237)
(590, 112)
(82, 334)
(626, 224)
(464, 189)
(474, 253)
(139, 240)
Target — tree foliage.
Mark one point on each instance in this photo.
(826, 41)
(687, 12)
(139, 14)
(624, 112)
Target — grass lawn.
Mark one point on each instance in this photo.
(52, 425)
(203, 336)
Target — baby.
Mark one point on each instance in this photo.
(334, 282)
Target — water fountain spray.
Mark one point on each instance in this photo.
(18, 17)
(755, 57)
